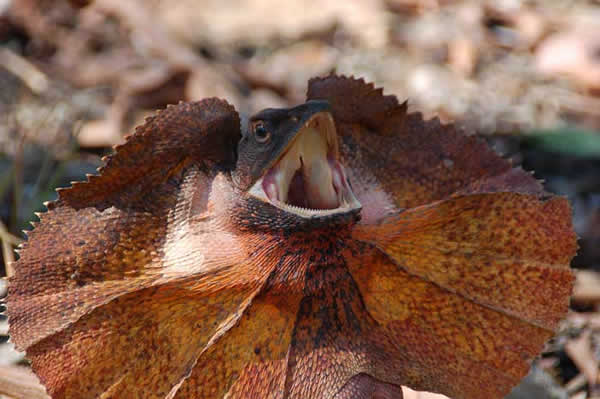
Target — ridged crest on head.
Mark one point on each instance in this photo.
(205, 132)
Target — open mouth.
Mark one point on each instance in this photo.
(308, 178)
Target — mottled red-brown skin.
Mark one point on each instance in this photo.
(160, 278)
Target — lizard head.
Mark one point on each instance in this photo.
(288, 158)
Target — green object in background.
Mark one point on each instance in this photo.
(569, 141)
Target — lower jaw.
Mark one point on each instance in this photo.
(313, 201)
(287, 219)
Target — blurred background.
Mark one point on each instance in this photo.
(76, 76)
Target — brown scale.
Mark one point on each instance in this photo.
(174, 274)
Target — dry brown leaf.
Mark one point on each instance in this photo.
(572, 54)
(580, 351)
(101, 133)
(20, 383)
(587, 286)
(410, 394)
(250, 22)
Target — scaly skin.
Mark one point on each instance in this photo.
(164, 277)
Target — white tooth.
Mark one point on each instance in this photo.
(337, 179)
(338, 185)
(271, 191)
(287, 167)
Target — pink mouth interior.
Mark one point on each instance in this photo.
(323, 192)
(296, 195)
(309, 175)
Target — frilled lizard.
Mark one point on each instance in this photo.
(337, 249)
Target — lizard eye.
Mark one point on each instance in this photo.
(261, 133)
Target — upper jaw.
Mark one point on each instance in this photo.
(308, 179)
